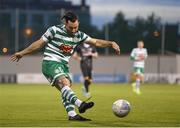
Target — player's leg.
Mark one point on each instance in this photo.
(89, 76)
(70, 108)
(142, 75)
(56, 74)
(136, 85)
(63, 84)
(72, 115)
(133, 80)
(85, 89)
(85, 70)
(86, 84)
(139, 79)
(88, 81)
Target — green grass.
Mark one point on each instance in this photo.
(39, 105)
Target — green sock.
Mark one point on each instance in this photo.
(70, 96)
(70, 108)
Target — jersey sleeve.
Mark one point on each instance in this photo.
(49, 34)
(132, 55)
(146, 53)
(85, 37)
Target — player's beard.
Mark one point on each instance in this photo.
(72, 34)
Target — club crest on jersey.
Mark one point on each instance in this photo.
(66, 48)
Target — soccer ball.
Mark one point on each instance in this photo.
(121, 108)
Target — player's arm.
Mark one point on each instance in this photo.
(94, 54)
(76, 56)
(104, 43)
(146, 54)
(33, 47)
(137, 58)
(134, 57)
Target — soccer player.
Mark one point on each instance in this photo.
(85, 53)
(60, 42)
(138, 55)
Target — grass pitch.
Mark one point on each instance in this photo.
(39, 105)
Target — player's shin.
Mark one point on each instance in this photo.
(70, 96)
(86, 85)
(138, 82)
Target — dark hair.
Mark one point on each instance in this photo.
(70, 16)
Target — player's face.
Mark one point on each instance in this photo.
(72, 27)
(140, 44)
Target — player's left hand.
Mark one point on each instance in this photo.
(116, 47)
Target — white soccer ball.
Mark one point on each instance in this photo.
(121, 108)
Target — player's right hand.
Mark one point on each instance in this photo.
(16, 56)
(141, 57)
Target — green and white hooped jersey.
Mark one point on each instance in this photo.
(60, 45)
(137, 52)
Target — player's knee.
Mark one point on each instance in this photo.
(63, 81)
(86, 78)
(90, 81)
(138, 76)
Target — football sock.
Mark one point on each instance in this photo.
(70, 108)
(138, 83)
(86, 85)
(70, 96)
